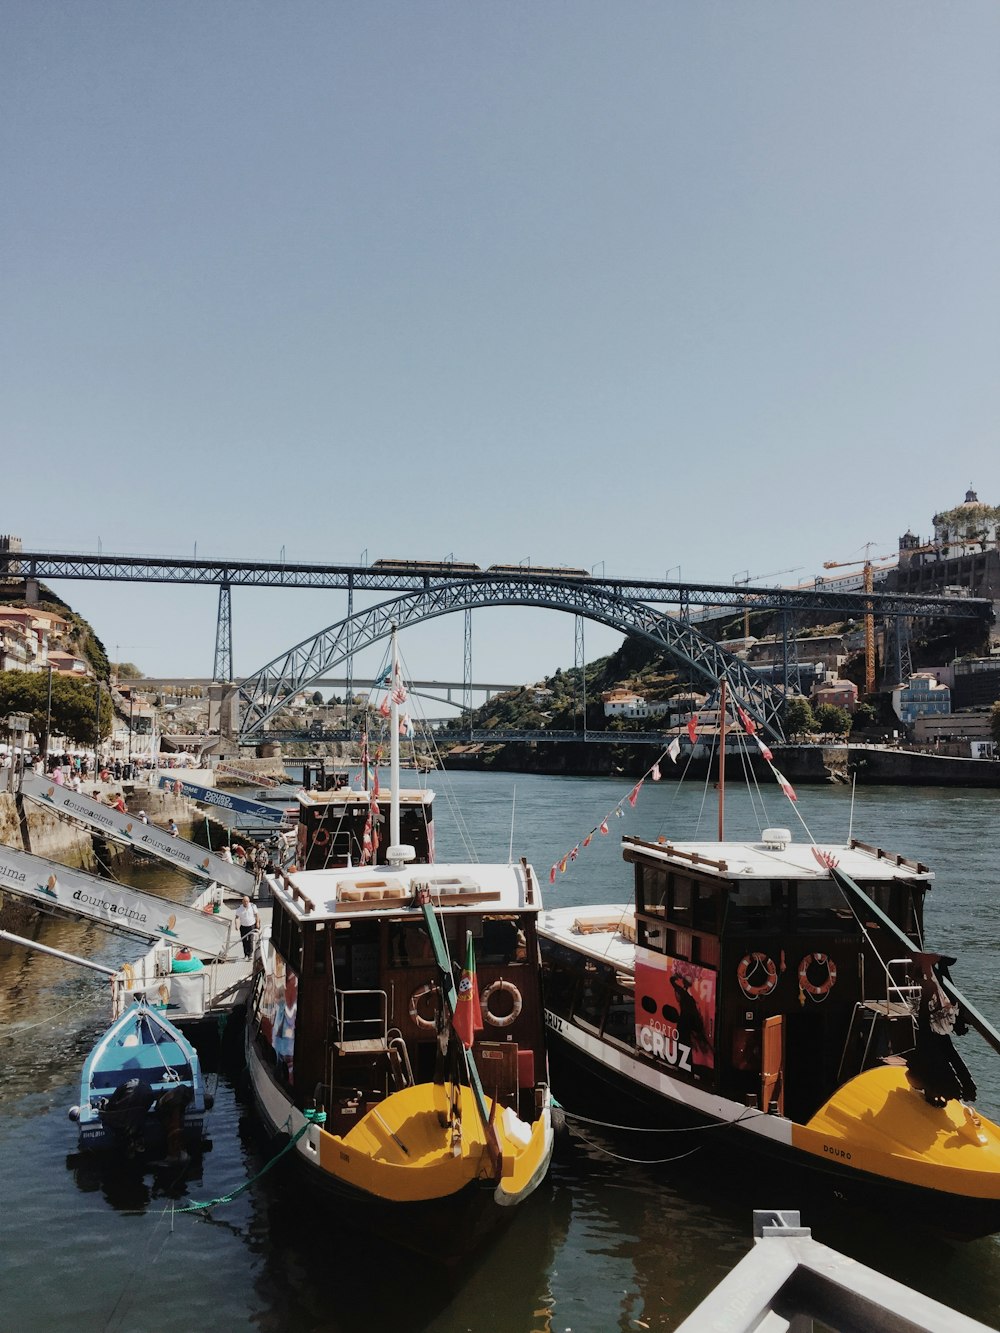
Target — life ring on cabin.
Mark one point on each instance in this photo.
(425, 1024)
(321, 837)
(750, 962)
(824, 988)
(503, 988)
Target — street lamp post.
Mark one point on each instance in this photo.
(17, 724)
(48, 724)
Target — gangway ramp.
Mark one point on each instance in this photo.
(130, 830)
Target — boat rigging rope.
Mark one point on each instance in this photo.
(312, 1118)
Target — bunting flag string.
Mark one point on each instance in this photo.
(617, 812)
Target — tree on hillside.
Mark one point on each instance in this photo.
(830, 718)
(799, 718)
(74, 704)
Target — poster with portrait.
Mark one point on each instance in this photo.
(675, 1011)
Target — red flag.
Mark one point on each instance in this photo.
(604, 826)
(575, 852)
(633, 794)
(384, 707)
(693, 728)
(375, 787)
(552, 875)
(586, 841)
(468, 1018)
(749, 725)
(826, 859)
(764, 750)
(784, 784)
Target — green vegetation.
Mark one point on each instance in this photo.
(833, 720)
(799, 719)
(74, 704)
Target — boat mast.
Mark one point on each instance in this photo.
(395, 681)
(722, 760)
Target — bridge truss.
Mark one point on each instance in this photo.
(262, 694)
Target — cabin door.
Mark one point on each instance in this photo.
(772, 1068)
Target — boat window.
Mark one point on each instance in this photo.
(678, 944)
(681, 895)
(707, 898)
(561, 972)
(287, 935)
(820, 905)
(619, 1022)
(409, 944)
(502, 941)
(651, 888)
(592, 997)
(755, 905)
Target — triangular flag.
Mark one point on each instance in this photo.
(384, 708)
(575, 852)
(562, 866)
(604, 826)
(586, 841)
(468, 1016)
(674, 749)
(634, 794)
(764, 750)
(552, 875)
(749, 725)
(654, 772)
(784, 784)
(375, 786)
(693, 728)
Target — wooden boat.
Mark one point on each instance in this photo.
(425, 1127)
(778, 994)
(142, 1089)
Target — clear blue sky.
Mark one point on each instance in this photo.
(714, 285)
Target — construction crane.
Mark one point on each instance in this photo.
(741, 580)
(868, 572)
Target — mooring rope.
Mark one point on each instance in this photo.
(745, 1114)
(312, 1118)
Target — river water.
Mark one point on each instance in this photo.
(605, 1245)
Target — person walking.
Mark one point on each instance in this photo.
(248, 919)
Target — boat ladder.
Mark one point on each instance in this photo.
(892, 1018)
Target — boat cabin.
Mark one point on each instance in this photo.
(744, 968)
(334, 825)
(348, 997)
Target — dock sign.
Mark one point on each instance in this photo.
(224, 800)
(50, 885)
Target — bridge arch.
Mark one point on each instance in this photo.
(298, 667)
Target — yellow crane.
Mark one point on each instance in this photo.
(868, 573)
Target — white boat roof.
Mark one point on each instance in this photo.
(357, 796)
(778, 858)
(360, 891)
(606, 932)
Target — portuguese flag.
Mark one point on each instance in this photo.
(468, 1016)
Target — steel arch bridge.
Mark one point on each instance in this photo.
(262, 693)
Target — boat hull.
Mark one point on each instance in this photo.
(586, 1085)
(442, 1229)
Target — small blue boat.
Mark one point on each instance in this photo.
(142, 1089)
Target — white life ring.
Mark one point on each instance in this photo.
(425, 1024)
(506, 988)
(824, 988)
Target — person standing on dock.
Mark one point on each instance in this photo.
(248, 919)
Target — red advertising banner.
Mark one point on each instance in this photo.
(675, 1011)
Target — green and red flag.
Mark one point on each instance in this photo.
(468, 1018)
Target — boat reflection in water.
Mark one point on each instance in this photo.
(779, 996)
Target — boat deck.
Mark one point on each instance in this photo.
(218, 988)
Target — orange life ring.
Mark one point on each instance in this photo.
(321, 837)
(425, 1024)
(821, 991)
(503, 988)
(753, 960)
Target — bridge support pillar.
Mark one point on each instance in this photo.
(223, 669)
